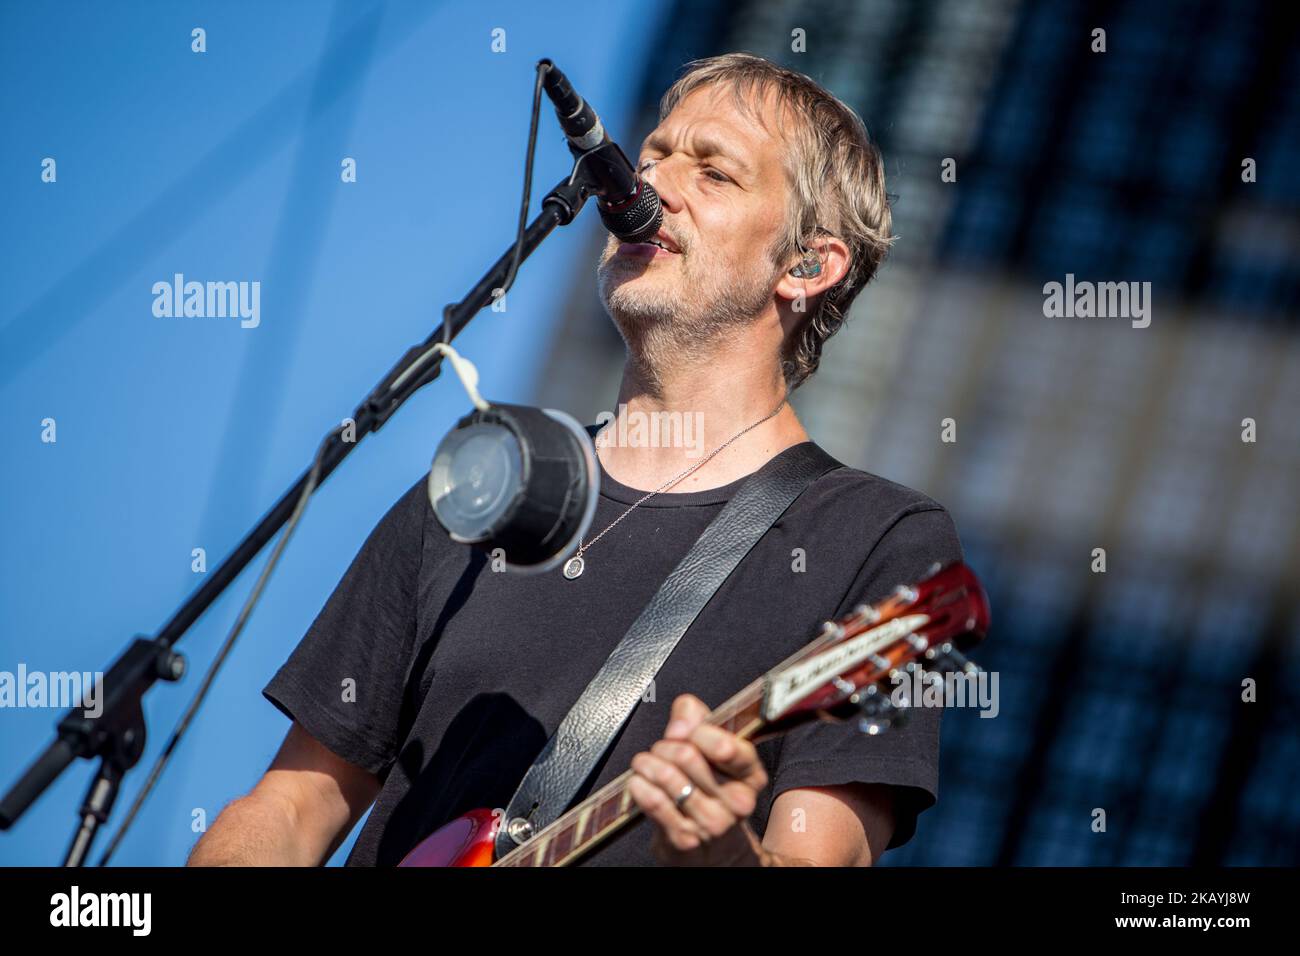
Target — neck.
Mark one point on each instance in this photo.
(672, 418)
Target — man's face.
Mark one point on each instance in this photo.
(722, 182)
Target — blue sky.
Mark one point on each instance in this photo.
(177, 433)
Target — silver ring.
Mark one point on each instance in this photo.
(684, 795)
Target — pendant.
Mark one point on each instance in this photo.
(573, 567)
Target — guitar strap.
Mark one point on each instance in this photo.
(574, 750)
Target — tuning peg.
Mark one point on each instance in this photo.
(952, 661)
(955, 661)
(878, 724)
(948, 658)
(958, 662)
(866, 614)
(846, 687)
(879, 712)
(900, 717)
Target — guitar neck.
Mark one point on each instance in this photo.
(611, 808)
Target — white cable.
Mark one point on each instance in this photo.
(465, 370)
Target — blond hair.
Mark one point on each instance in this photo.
(837, 180)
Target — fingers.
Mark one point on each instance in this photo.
(687, 713)
(722, 769)
(725, 752)
(732, 755)
(681, 832)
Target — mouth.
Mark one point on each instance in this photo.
(660, 246)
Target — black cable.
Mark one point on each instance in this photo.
(542, 69)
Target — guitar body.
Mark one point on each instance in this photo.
(465, 841)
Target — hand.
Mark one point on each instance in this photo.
(710, 826)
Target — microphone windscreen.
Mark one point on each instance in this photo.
(520, 479)
(638, 219)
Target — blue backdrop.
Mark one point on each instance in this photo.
(178, 433)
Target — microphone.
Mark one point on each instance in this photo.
(629, 206)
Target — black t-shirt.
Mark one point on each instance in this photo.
(446, 678)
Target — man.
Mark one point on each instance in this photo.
(428, 683)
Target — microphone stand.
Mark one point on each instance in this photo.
(117, 735)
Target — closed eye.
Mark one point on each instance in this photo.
(716, 175)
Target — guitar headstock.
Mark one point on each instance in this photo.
(849, 669)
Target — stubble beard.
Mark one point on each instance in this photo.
(678, 310)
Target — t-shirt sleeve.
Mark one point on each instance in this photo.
(344, 682)
(826, 753)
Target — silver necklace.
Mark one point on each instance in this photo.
(574, 567)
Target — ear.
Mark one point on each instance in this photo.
(834, 257)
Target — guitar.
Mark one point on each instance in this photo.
(838, 676)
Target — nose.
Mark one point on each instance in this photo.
(665, 185)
